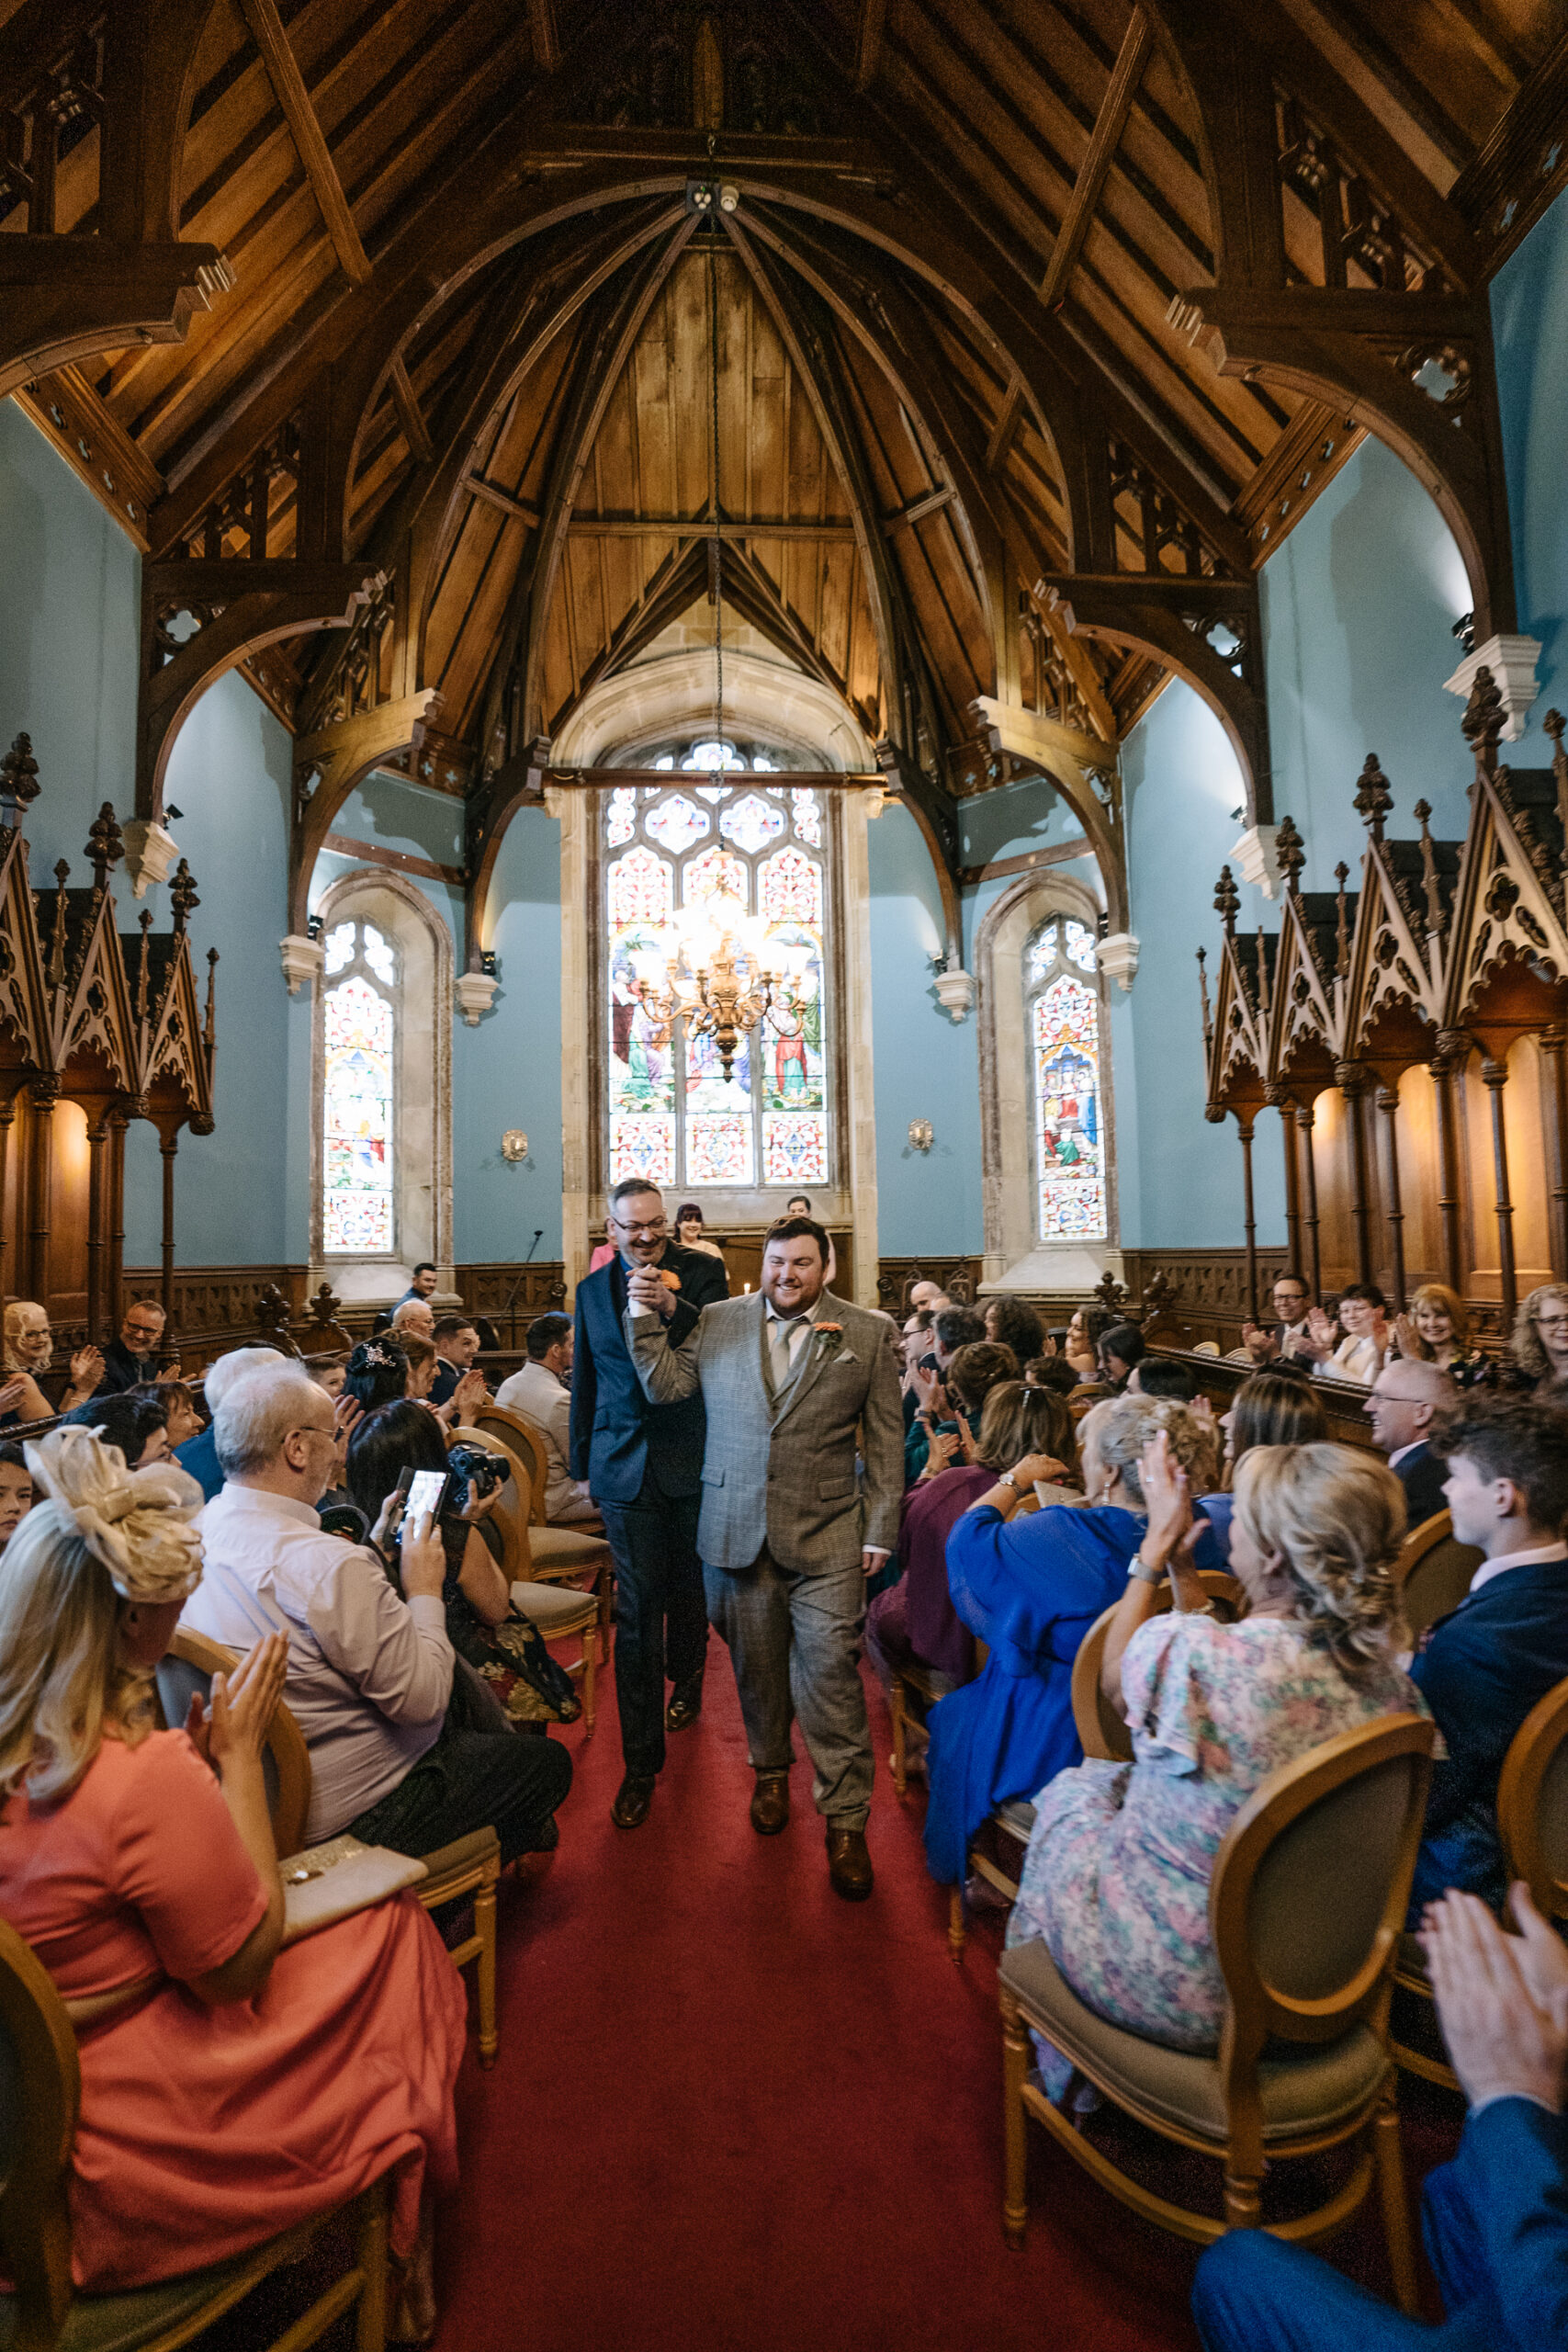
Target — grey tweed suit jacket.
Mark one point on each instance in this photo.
(783, 1470)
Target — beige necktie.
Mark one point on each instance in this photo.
(781, 1347)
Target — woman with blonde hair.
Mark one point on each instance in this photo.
(1436, 1330)
(229, 2090)
(29, 1351)
(1539, 1342)
(1031, 1589)
(1116, 1879)
(914, 1621)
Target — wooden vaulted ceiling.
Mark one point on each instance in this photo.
(1017, 197)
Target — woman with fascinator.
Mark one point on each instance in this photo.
(229, 2090)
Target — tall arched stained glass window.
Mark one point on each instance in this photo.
(359, 1059)
(673, 1116)
(1061, 1002)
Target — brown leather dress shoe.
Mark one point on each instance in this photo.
(685, 1705)
(770, 1803)
(849, 1864)
(634, 1801)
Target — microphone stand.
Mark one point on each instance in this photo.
(518, 1285)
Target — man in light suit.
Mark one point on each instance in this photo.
(794, 1381)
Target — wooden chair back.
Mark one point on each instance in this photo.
(189, 1665)
(1308, 1900)
(1434, 1571)
(1532, 1804)
(513, 1433)
(40, 2092)
(514, 1503)
(1101, 1733)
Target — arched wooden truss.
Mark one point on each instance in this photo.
(376, 472)
(1446, 951)
(110, 1021)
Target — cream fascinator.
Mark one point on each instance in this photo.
(136, 1524)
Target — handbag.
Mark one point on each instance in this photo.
(541, 1689)
(329, 1883)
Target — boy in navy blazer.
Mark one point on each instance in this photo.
(643, 1463)
(1482, 1668)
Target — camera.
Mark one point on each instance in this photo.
(473, 1465)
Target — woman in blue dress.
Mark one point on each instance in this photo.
(1029, 1588)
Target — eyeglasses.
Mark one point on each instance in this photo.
(649, 1232)
(1552, 1322)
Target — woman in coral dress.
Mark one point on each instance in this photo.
(230, 2091)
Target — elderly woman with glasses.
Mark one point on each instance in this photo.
(29, 1351)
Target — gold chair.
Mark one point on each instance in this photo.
(470, 1865)
(1305, 1907)
(551, 1555)
(909, 1682)
(40, 2095)
(1532, 1822)
(1435, 1572)
(286, 1763)
(1102, 1733)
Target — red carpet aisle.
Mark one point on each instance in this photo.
(731, 2111)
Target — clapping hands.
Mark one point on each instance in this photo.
(231, 1731)
(1502, 2000)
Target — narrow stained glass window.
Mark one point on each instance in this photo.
(674, 1116)
(1063, 1007)
(358, 1095)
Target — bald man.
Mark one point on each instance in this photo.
(1406, 1398)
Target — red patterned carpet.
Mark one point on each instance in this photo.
(731, 2111)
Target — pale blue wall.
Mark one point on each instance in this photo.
(1529, 324)
(507, 1072)
(70, 626)
(1359, 608)
(241, 1193)
(1180, 1178)
(926, 1064)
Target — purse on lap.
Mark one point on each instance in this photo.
(329, 1883)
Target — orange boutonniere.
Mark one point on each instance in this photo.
(831, 1333)
(671, 1281)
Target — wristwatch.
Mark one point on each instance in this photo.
(1138, 1568)
(1007, 1479)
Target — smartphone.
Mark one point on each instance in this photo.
(427, 1492)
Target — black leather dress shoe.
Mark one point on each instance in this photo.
(634, 1801)
(685, 1705)
(770, 1803)
(849, 1864)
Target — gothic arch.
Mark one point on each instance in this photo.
(1011, 1240)
(424, 1047)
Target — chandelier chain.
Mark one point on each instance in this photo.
(717, 539)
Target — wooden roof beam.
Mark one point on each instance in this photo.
(1110, 122)
(304, 127)
(868, 45)
(411, 416)
(542, 33)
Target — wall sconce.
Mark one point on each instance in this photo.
(921, 1137)
(515, 1145)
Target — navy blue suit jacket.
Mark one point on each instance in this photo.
(199, 1454)
(1511, 2174)
(613, 1425)
(1481, 1671)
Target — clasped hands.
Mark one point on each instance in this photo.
(232, 1728)
(1502, 2000)
(649, 1292)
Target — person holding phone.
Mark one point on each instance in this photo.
(370, 1669)
(397, 1476)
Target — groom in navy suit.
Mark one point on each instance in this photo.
(643, 1463)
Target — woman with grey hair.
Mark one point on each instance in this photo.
(1116, 1879)
(1029, 1588)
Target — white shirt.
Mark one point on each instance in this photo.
(1507, 1560)
(368, 1675)
(542, 1398)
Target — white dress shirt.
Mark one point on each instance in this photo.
(369, 1674)
(542, 1398)
(1507, 1560)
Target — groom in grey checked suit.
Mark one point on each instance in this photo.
(794, 1382)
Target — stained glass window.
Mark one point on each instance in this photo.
(674, 1116)
(1064, 1053)
(360, 1040)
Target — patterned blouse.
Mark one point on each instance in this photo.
(1116, 1880)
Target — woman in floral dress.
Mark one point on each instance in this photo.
(1116, 1882)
